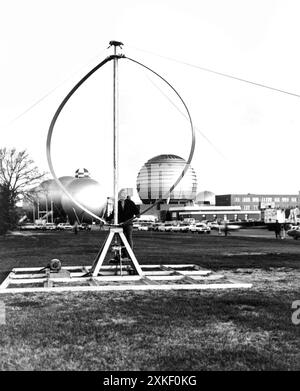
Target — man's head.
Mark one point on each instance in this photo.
(122, 195)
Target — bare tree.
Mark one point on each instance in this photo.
(17, 174)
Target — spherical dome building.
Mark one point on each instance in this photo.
(159, 174)
(206, 197)
(90, 194)
(82, 173)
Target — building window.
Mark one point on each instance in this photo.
(236, 199)
(285, 199)
(277, 199)
(294, 199)
(267, 200)
(255, 199)
(246, 207)
(254, 207)
(246, 199)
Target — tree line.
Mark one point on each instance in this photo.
(18, 173)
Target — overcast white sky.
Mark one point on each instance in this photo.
(45, 43)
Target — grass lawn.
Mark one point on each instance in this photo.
(156, 330)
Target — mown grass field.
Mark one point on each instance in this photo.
(156, 330)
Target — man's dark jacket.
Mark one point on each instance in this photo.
(126, 213)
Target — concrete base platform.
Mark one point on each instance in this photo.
(114, 278)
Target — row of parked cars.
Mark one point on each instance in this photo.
(174, 227)
(53, 227)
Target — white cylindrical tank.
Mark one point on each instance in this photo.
(55, 192)
(90, 194)
(158, 175)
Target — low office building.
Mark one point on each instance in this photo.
(212, 213)
(255, 202)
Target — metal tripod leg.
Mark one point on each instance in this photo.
(102, 253)
(101, 256)
(97, 257)
(131, 254)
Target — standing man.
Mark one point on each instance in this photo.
(75, 227)
(277, 230)
(127, 210)
(219, 227)
(226, 229)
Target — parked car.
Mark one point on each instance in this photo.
(185, 227)
(175, 228)
(213, 225)
(294, 232)
(154, 226)
(64, 226)
(166, 227)
(143, 227)
(200, 228)
(39, 226)
(181, 227)
(28, 226)
(221, 226)
(84, 227)
(49, 226)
